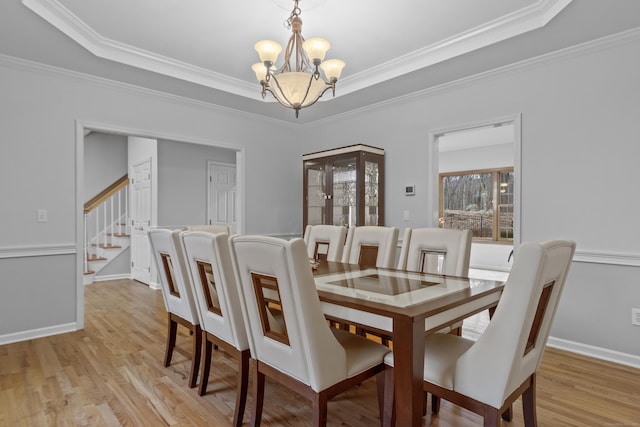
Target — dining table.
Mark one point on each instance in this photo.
(403, 306)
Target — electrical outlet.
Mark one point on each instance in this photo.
(635, 316)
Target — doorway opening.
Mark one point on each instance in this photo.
(480, 146)
(184, 176)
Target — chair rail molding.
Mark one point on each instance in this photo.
(38, 250)
(612, 258)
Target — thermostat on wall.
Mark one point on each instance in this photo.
(410, 190)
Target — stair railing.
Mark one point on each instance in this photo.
(105, 217)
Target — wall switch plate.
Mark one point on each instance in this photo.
(635, 316)
(406, 215)
(42, 215)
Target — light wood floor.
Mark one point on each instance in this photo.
(111, 374)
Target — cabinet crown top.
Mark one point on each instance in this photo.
(341, 150)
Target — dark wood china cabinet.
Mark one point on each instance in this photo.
(344, 186)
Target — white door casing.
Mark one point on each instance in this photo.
(222, 194)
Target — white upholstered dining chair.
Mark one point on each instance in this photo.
(216, 294)
(371, 245)
(487, 376)
(438, 251)
(177, 295)
(325, 241)
(303, 353)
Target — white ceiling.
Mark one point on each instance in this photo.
(203, 49)
(211, 42)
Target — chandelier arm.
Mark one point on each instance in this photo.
(301, 58)
(329, 86)
(268, 89)
(265, 88)
(288, 103)
(286, 66)
(299, 63)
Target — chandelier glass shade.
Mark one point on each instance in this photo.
(303, 85)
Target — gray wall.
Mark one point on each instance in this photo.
(580, 150)
(182, 181)
(579, 172)
(38, 295)
(40, 108)
(120, 266)
(105, 161)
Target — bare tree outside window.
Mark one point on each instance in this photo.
(480, 201)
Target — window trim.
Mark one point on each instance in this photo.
(495, 238)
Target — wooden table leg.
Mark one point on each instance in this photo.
(408, 356)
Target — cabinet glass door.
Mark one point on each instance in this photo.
(371, 199)
(344, 192)
(316, 194)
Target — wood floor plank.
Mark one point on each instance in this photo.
(111, 374)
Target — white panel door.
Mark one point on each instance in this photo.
(140, 222)
(222, 195)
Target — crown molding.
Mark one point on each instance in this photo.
(24, 64)
(527, 64)
(562, 54)
(510, 25)
(64, 20)
(505, 27)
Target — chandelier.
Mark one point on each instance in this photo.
(303, 85)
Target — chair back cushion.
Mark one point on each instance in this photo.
(436, 250)
(367, 244)
(214, 286)
(325, 241)
(273, 272)
(510, 350)
(178, 296)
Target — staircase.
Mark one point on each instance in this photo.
(106, 234)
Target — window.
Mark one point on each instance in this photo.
(481, 201)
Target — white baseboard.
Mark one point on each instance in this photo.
(38, 333)
(595, 352)
(113, 277)
(155, 286)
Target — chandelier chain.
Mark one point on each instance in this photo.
(288, 24)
